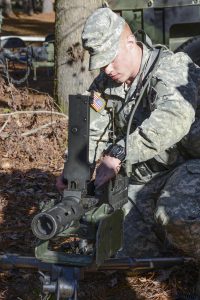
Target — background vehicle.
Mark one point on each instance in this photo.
(175, 23)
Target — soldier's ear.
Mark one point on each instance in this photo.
(131, 39)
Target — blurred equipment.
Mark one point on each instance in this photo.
(17, 59)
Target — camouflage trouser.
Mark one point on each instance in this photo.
(171, 200)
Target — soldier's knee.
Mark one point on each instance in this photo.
(184, 234)
(178, 208)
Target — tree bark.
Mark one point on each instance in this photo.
(72, 61)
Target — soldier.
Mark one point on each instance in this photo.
(145, 112)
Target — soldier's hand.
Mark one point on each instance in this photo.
(60, 185)
(107, 169)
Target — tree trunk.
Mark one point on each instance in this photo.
(7, 8)
(72, 61)
(47, 6)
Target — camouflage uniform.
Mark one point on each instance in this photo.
(163, 187)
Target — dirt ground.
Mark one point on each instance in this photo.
(22, 24)
(32, 147)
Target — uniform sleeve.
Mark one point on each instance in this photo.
(99, 133)
(174, 112)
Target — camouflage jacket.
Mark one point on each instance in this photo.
(163, 118)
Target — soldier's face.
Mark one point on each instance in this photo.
(126, 65)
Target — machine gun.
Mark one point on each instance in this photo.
(94, 218)
(81, 207)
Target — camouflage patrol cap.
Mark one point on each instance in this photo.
(101, 36)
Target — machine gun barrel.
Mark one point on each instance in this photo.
(49, 223)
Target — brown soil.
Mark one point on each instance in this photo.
(31, 159)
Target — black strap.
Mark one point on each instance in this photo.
(146, 39)
(144, 85)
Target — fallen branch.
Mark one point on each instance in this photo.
(31, 112)
(4, 125)
(32, 131)
(34, 112)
